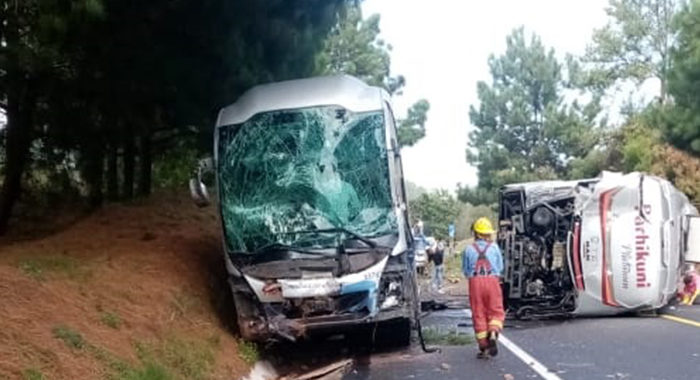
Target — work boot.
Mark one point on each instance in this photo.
(493, 343)
(483, 354)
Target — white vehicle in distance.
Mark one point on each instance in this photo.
(422, 244)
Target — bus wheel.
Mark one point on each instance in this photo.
(393, 334)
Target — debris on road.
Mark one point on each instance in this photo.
(619, 376)
(330, 371)
(508, 376)
(432, 305)
(445, 366)
(262, 370)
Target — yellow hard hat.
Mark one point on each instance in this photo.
(483, 226)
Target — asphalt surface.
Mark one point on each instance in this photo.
(594, 348)
(662, 347)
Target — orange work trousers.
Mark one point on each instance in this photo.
(486, 301)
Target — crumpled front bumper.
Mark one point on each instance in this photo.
(278, 327)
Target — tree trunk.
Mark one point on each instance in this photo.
(146, 162)
(18, 137)
(21, 103)
(129, 162)
(664, 90)
(112, 175)
(94, 173)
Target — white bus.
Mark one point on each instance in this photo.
(313, 210)
(603, 246)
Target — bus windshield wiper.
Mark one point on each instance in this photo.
(354, 235)
(285, 247)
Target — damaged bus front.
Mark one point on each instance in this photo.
(313, 209)
(604, 246)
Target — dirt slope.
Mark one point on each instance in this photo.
(130, 292)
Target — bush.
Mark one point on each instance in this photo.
(32, 374)
(70, 337)
(679, 167)
(638, 149)
(468, 215)
(174, 168)
(41, 267)
(248, 351)
(111, 319)
(437, 210)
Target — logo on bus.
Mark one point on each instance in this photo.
(591, 249)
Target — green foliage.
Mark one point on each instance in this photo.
(680, 120)
(353, 47)
(476, 195)
(111, 319)
(149, 371)
(248, 351)
(437, 210)
(524, 131)
(184, 359)
(70, 337)
(468, 214)
(116, 85)
(436, 336)
(413, 191)
(40, 267)
(605, 157)
(411, 129)
(638, 150)
(638, 146)
(173, 168)
(32, 374)
(680, 168)
(171, 358)
(635, 44)
(190, 359)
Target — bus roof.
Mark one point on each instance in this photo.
(341, 90)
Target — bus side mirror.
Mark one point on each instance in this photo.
(198, 190)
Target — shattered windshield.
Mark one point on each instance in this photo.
(284, 172)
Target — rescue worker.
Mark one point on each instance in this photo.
(690, 290)
(482, 264)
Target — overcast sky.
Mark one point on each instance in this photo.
(442, 47)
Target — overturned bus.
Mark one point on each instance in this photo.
(313, 210)
(603, 246)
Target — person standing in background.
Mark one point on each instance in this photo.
(438, 258)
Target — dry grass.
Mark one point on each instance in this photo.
(101, 283)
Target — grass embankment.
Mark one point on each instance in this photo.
(132, 292)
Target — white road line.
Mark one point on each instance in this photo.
(524, 356)
(527, 359)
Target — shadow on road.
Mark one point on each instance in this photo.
(359, 345)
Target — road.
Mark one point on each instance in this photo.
(631, 348)
(665, 347)
(597, 348)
